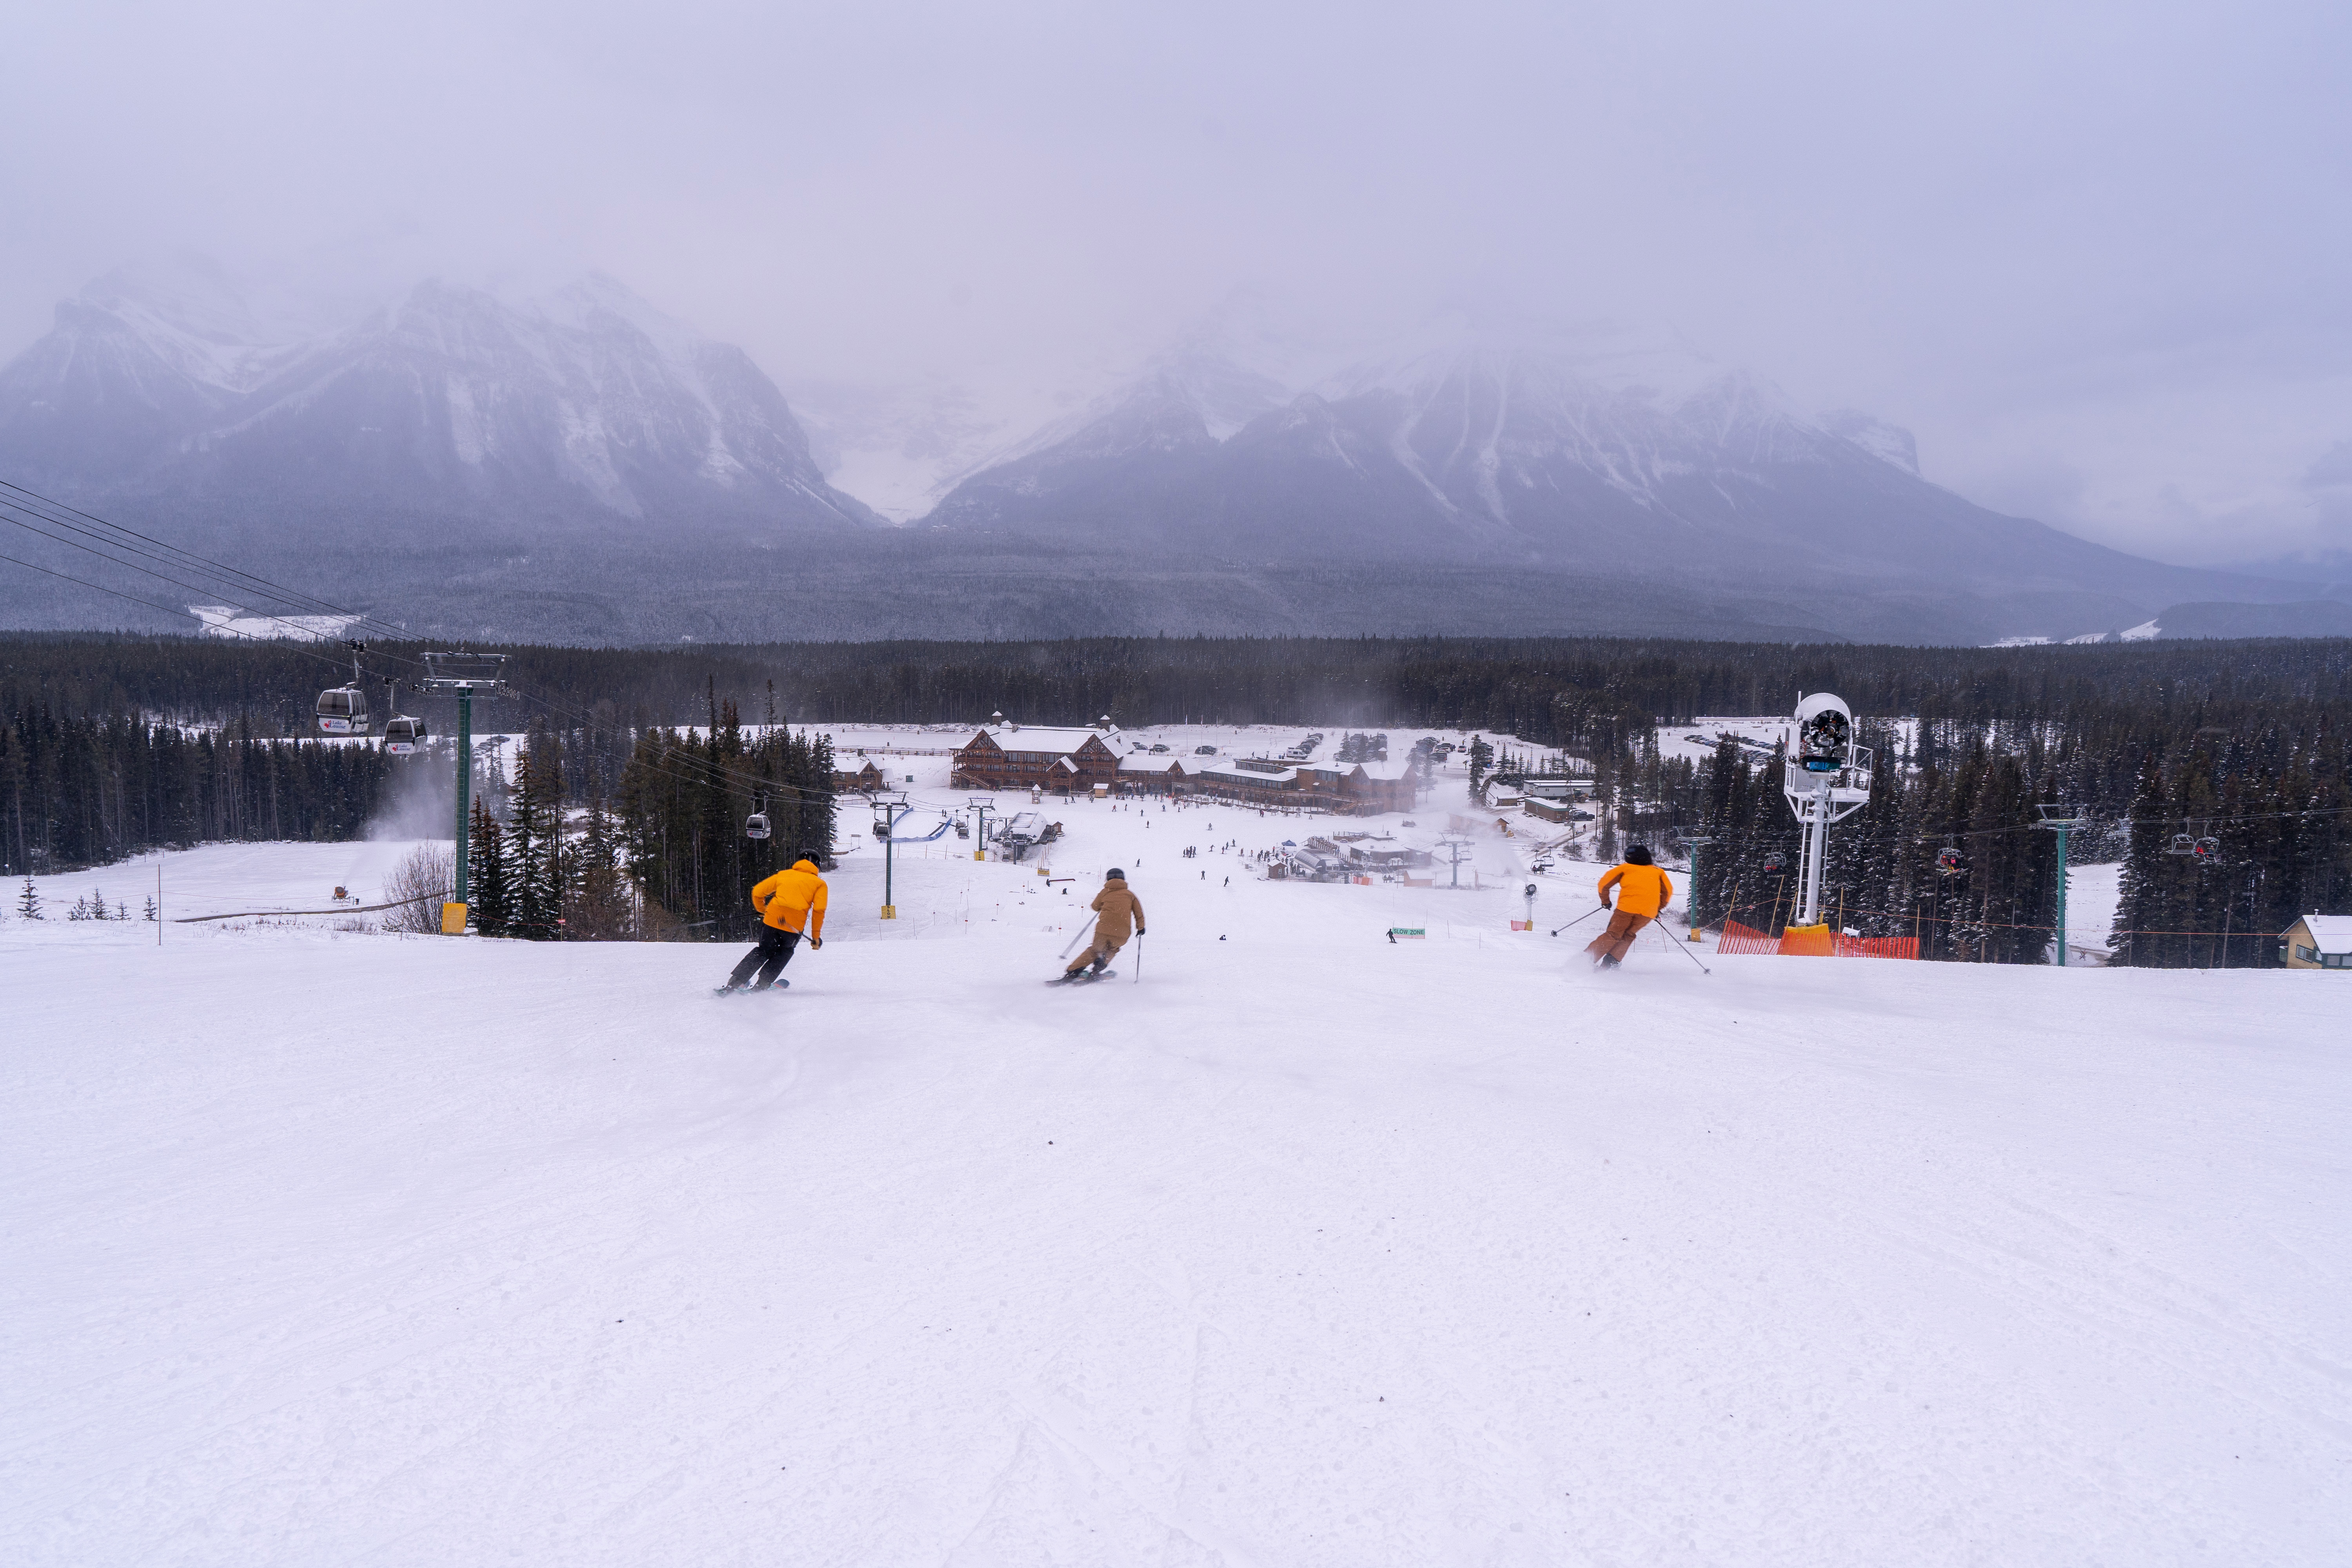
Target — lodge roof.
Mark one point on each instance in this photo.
(1046, 740)
(1249, 776)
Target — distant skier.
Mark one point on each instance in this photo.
(790, 905)
(1116, 914)
(1642, 892)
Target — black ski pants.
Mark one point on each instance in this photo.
(775, 950)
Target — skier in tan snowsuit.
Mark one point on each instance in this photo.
(1118, 913)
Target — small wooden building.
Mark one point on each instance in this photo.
(2319, 942)
(866, 777)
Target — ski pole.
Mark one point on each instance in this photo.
(1585, 916)
(1687, 953)
(1138, 978)
(1074, 940)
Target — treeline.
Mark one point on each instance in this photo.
(1580, 694)
(2225, 833)
(2238, 749)
(665, 854)
(87, 789)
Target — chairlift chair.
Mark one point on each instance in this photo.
(2208, 849)
(1774, 865)
(2182, 844)
(1950, 862)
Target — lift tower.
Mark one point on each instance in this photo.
(466, 676)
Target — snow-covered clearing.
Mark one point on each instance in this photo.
(1307, 1248)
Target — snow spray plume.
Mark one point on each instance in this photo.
(419, 798)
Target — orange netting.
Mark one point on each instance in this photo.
(1814, 942)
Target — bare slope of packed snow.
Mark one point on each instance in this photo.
(1307, 1248)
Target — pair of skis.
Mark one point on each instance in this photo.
(1085, 976)
(1660, 924)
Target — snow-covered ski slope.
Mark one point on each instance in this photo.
(1304, 1248)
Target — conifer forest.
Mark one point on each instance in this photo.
(2219, 774)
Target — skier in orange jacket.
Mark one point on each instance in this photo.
(1642, 891)
(790, 905)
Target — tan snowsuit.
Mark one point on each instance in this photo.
(1121, 914)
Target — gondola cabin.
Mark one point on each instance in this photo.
(402, 735)
(343, 710)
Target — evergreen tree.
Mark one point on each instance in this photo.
(28, 903)
(602, 908)
(489, 874)
(536, 834)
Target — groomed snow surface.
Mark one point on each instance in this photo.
(1305, 1248)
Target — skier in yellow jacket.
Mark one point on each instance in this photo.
(1642, 891)
(790, 905)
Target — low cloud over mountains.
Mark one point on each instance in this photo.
(577, 464)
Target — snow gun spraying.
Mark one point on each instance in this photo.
(1826, 780)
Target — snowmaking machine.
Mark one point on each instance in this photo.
(1826, 780)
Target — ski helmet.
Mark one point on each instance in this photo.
(1115, 872)
(1637, 854)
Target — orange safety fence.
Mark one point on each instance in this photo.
(1814, 942)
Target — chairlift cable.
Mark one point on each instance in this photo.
(296, 595)
(197, 565)
(116, 561)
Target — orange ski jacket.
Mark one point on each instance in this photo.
(1641, 889)
(792, 899)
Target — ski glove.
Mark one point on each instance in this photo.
(815, 942)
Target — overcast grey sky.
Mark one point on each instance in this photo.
(2095, 255)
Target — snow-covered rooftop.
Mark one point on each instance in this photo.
(2330, 934)
(1042, 738)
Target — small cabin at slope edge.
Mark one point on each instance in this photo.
(2319, 942)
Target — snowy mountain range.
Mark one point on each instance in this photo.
(573, 464)
(1571, 457)
(581, 403)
